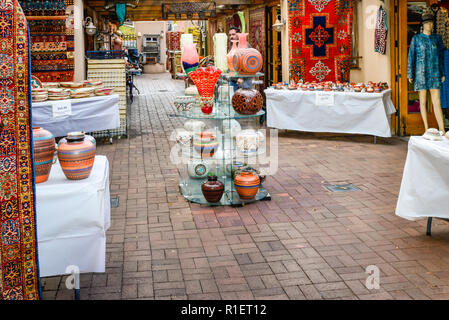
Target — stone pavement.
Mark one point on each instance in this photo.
(307, 243)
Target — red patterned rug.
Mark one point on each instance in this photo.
(19, 272)
(320, 33)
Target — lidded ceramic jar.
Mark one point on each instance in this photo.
(212, 189)
(44, 153)
(76, 154)
(247, 185)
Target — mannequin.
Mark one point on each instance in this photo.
(425, 68)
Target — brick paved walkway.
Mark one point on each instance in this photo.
(307, 243)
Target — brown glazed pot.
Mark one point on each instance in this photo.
(212, 189)
(247, 101)
(44, 153)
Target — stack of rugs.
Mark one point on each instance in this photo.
(52, 38)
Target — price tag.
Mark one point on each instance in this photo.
(62, 108)
(324, 99)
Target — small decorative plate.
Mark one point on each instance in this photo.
(35, 83)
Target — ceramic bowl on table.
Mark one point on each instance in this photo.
(72, 85)
(104, 91)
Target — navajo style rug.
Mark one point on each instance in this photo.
(320, 35)
(19, 273)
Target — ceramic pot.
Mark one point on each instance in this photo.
(197, 168)
(44, 153)
(243, 40)
(247, 101)
(76, 154)
(247, 185)
(212, 189)
(190, 58)
(247, 61)
(194, 125)
(230, 55)
(205, 143)
(249, 141)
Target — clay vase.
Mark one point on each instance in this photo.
(230, 55)
(212, 189)
(44, 153)
(247, 185)
(247, 101)
(246, 61)
(190, 58)
(205, 143)
(76, 154)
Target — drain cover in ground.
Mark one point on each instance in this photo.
(163, 90)
(342, 187)
(114, 202)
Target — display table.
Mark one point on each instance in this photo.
(425, 184)
(350, 112)
(72, 219)
(88, 115)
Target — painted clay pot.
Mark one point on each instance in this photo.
(247, 185)
(247, 61)
(212, 189)
(76, 154)
(247, 101)
(190, 58)
(198, 168)
(205, 143)
(243, 40)
(44, 153)
(230, 55)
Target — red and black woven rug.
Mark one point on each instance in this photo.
(320, 33)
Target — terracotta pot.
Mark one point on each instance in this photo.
(212, 189)
(247, 101)
(205, 143)
(247, 185)
(247, 61)
(44, 153)
(76, 154)
(230, 55)
(190, 58)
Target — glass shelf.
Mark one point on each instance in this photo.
(191, 190)
(234, 75)
(219, 113)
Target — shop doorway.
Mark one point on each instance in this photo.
(406, 21)
(274, 48)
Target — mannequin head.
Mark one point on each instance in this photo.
(427, 27)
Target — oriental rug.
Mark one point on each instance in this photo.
(19, 271)
(257, 32)
(320, 35)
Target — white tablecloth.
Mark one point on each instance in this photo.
(362, 113)
(72, 219)
(88, 115)
(425, 183)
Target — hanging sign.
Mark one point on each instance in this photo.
(324, 98)
(62, 108)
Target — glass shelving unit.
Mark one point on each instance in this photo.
(225, 125)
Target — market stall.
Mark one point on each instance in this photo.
(424, 190)
(86, 114)
(72, 219)
(333, 111)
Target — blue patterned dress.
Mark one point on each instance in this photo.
(426, 61)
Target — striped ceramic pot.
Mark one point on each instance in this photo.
(247, 185)
(205, 143)
(76, 154)
(247, 61)
(44, 152)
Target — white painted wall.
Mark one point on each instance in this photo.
(153, 27)
(374, 66)
(80, 62)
